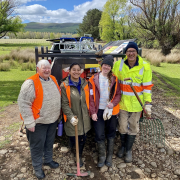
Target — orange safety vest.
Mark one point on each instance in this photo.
(68, 93)
(37, 104)
(115, 108)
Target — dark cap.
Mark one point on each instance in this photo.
(109, 59)
(131, 45)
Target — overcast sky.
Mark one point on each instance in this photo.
(56, 11)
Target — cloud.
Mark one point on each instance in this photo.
(39, 13)
(26, 1)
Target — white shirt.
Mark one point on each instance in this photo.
(104, 91)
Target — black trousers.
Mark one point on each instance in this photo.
(101, 126)
(41, 143)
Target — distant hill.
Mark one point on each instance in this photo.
(52, 27)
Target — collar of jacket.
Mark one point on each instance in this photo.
(82, 82)
(71, 83)
(96, 80)
(139, 66)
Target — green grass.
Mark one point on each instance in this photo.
(170, 74)
(6, 45)
(10, 84)
(167, 79)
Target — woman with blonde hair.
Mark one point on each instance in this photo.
(104, 100)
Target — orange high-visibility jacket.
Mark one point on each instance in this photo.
(116, 108)
(37, 104)
(68, 93)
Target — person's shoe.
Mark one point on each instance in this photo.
(39, 174)
(101, 154)
(52, 164)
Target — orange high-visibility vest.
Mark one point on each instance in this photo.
(68, 93)
(115, 108)
(37, 104)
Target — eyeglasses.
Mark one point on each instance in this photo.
(46, 68)
(131, 51)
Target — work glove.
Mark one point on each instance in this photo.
(106, 111)
(74, 121)
(148, 109)
(109, 113)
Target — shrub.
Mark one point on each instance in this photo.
(13, 64)
(154, 56)
(173, 58)
(28, 66)
(5, 66)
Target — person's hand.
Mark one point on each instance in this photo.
(31, 129)
(110, 105)
(94, 117)
(74, 121)
(109, 113)
(148, 109)
(105, 113)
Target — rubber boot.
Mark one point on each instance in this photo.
(110, 149)
(129, 143)
(121, 151)
(81, 147)
(102, 154)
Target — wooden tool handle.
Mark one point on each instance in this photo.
(77, 144)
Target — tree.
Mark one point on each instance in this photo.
(160, 20)
(8, 21)
(90, 23)
(113, 23)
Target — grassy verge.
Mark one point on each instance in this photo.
(166, 78)
(10, 84)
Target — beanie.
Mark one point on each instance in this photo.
(109, 59)
(131, 45)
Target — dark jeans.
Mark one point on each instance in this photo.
(80, 139)
(101, 126)
(41, 143)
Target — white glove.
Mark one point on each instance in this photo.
(74, 121)
(148, 109)
(106, 111)
(109, 113)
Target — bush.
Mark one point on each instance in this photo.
(154, 56)
(28, 66)
(5, 66)
(13, 64)
(173, 58)
(27, 55)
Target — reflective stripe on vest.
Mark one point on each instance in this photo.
(139, 87)
(37, 104)
(116, 108)
(68, 93)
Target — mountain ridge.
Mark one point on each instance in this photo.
(52, 27)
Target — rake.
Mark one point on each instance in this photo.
(151, 129)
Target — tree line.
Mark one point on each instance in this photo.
(153, 23)
(37, 35)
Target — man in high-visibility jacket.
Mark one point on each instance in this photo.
(40, 104)
(132, 66)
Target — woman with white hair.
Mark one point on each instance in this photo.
(40, 104)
